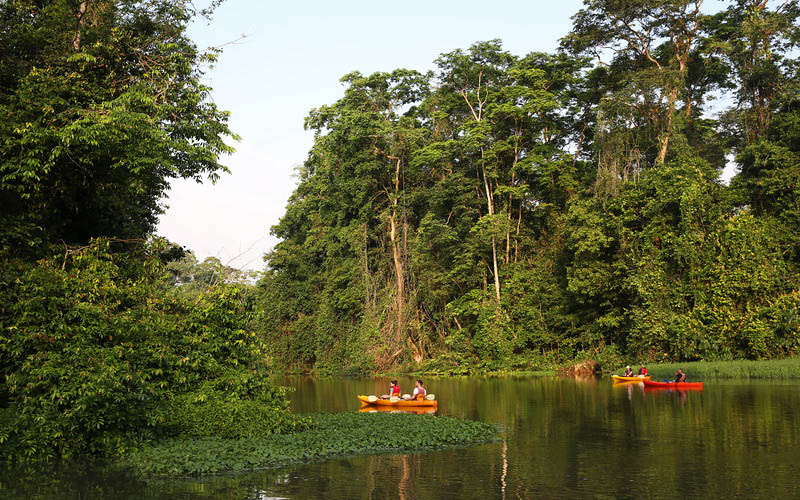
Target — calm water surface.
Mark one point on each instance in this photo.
(563, 439)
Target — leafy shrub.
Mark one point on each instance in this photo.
(609, 357)
(99, 344)
(231, 418)
(449, 363)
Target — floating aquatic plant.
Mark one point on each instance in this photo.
(333, 435)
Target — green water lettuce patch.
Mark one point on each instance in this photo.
(332, 435)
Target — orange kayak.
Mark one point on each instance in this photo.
(397, 404)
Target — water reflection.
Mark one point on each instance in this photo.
(563, 439)
(389, 409)
(628, 387)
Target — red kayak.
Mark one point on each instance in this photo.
(673, 385)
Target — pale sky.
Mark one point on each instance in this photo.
(290, 62)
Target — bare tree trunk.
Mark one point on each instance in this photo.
(508, 232)
(662, 152)
(516, 238)
(681, 36)
(399, 265)
(398, 268)
(477, 115)
(399, 247)
(490, 207)
(367, 280)
(496, 271)
(517, 135)
(580, 145)
(76, 40)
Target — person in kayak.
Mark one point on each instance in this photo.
(680, 376)
(419, 391)
(628, 371)
(394, 391)
(642, 371)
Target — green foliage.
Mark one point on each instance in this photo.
(504, 212)
(100, 347)
(704, 287)
(100, 110)
(449, 363)
(196, 415)
(606, 356)
(337, 434)
(550, 211)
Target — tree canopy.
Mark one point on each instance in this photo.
(514, 211)
(102, 104)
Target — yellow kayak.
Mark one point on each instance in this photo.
(620, 378)
(397, 404)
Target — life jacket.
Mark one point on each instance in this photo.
(396, 390)
(420, 395)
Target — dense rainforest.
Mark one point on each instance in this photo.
(109, 336)
(514, 212)
(502, 212)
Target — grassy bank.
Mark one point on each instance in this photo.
(788, 368)
(698, 370)
(333, 435)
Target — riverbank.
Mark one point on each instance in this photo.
(333, 434)
(788, 368)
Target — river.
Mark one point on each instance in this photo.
(563, 439)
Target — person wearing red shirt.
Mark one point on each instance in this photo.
(642, 371)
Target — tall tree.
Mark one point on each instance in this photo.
(760, 42)
(103, 104)
(363, 145)
(657, 37)
(476, 77)
(757, 42)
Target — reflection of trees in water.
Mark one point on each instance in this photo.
(393, 471)
(402, 486)
(505, 469)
